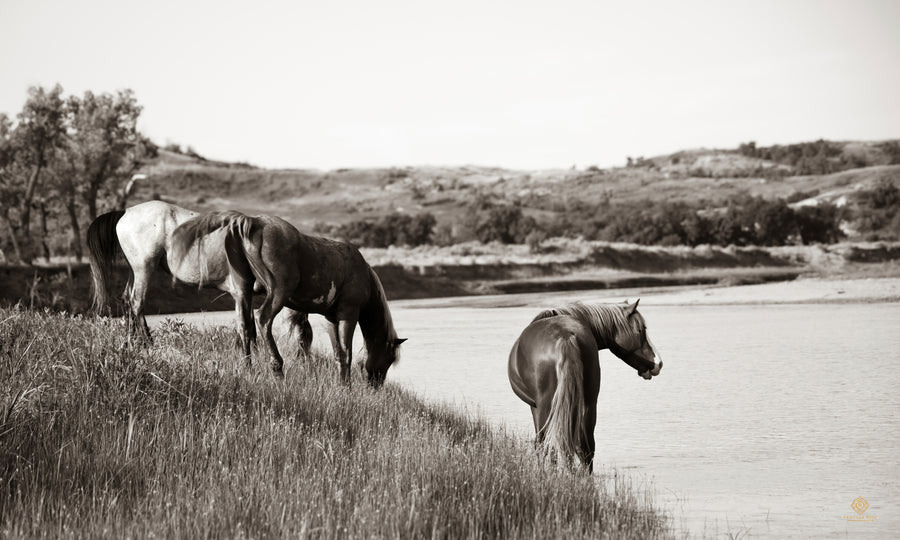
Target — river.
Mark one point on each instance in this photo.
(765, 421)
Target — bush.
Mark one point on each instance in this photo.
(395, 229)
(497, 222)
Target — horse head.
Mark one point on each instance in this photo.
(380, 358)
(632, 345)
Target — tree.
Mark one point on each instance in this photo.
(66, 154)
(29, 147)
(773, 221)
(10, 188)
(819, 223)
(103, 144)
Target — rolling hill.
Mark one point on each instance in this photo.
(309, 198)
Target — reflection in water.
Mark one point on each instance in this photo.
(766, 420)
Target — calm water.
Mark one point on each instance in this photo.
(765, 421)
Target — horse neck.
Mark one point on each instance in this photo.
(605, 323)
(375, 318)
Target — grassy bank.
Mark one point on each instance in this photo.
(101, 440)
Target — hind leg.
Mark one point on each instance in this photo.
(589, 445)
(267, 312)
(540, 414)
(135, 298)
(245, 321)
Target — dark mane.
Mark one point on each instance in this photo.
(375, 319)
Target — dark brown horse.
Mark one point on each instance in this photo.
(143, 236)
(554, 368)
(307, 274)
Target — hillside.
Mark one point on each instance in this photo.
(309, 198)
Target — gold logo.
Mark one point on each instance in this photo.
(860, 505)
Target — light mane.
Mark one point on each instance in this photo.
(603, 319)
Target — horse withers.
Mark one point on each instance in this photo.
(142, 234)
(554, 367)
(307, 274)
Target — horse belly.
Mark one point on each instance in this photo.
(206, 270)
(315, 297)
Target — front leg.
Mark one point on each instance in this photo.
(300, 324)
(341, 333)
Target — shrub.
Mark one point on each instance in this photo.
(395, 229)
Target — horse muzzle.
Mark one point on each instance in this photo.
(650, 373)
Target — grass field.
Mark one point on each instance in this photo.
(99, 439)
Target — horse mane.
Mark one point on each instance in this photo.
(602, 318)
(375, 315)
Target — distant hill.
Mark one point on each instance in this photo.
(311, 198)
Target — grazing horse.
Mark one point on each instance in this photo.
(143, 235)
(308, 274)
(554, 367)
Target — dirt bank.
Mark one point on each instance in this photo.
(474, 270)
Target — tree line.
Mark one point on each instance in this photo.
(742, 221)
(818, 157)
(63, 159)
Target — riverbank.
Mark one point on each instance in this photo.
(804, 290)
(560, 267)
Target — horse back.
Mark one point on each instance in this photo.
(317, 274)
(147, 234)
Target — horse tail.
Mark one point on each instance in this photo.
(103, 250)
(565, 428)
(243, 243)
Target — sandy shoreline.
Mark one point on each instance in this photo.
(804, 290)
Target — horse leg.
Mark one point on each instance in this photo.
(138, 323)
(300, 323)
(345, 335)
(589, 445)
(341, 333)
(538, 433)
(245, 319)
(267, 312)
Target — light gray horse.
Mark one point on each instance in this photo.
(143, 235)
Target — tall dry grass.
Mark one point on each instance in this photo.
(98, 439)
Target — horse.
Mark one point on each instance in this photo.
(307, 274)
(554, 367)
(143, 235)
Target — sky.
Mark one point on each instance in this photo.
(526, 85)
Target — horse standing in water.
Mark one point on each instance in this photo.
(307, 274)
(554, 367)
(143, 235)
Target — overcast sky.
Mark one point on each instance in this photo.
(327, 84)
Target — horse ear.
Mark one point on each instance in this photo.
(630, 309)
(399, 341)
